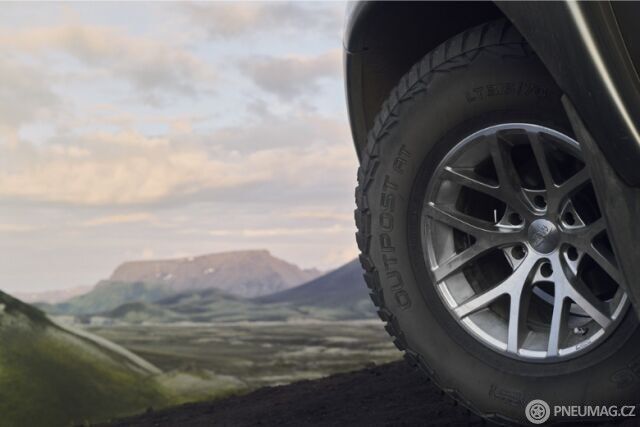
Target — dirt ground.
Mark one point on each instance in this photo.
(388, 395)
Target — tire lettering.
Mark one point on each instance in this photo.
(505, 89)
(512, 397)
(386, 223)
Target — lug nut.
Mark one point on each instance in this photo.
(569, 218)
(515, 219)
(540, 201)
(518, 252)
(572, 253)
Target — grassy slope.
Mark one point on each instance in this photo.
(108, 295)
(51, 377)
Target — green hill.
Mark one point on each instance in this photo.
(210, 305)
(108, 295)
(51, 376)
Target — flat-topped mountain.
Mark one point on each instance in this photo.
(338, 295)
(242, 273)
(246, 274)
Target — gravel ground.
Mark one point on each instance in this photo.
(388, 395)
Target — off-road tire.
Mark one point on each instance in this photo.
(486, 75)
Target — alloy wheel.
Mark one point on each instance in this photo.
(517, 246)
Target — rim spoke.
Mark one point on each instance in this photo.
(471, 180)
(561, 309)
(572, 184)
(541, 160)
(518, 306)
(595, 228)
(511, 284)
(558, 328)
(607, 265)
(507, 176)
(579, 292)
(503, 163)
(457, 261)
(481, 301)
(480, 229)
(582, 237)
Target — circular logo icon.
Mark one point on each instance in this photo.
(543, 236)
(537, 411)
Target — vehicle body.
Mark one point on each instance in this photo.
(591, 52)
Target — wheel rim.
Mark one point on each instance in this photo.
(517, 246)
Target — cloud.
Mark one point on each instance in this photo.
(147, 253)
(25, 94)
(16, 228)
(281, 232)
(121, 168)
(293, 130)
(227, 19)
(118, 219)
(149, 65)
(108, 153)
(292, 76)
(128, 168)
(321, 214)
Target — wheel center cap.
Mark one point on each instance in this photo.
(543, 236)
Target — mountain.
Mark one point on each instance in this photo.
(343, 290)
(67, 376)
(242, 273)
(338, 295)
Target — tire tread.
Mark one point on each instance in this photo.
(457, 52)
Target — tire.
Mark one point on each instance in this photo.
(484, 77)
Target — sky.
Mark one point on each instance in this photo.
(157, 130)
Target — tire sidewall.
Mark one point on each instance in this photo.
(426, 126)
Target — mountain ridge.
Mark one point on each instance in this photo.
(338, 295)
(247, 273)
(342, 288)
(244, 274)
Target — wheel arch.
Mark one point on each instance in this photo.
(384, 39)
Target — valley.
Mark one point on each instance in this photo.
(249, 355)
(229, 323)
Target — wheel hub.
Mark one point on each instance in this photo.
(517, 247)
(543, 236)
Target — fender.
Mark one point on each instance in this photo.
(582, 46)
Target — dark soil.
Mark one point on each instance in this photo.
(392, 394)
(387, 395)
